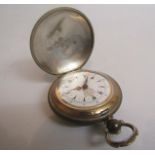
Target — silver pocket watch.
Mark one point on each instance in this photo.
(61, 43)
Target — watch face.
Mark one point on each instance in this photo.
(84, 89)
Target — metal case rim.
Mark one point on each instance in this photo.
(91, 114)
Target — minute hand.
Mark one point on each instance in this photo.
(85, 86)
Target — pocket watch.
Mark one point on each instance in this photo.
(61, 43)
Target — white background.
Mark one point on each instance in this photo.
(124, 48)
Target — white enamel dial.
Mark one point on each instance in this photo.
(84, 89)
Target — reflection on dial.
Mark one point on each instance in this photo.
(84, 89)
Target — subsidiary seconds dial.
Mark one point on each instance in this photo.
(84, 89)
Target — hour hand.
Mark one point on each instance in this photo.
(76, 88)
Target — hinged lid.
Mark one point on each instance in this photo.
(61, 40)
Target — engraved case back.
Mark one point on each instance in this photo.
(62, 40)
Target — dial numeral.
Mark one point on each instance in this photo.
(68, 92)
(93, 97)
(74, 98)
(100, 92)
(100, 80)
(92, 77)
(85, 76)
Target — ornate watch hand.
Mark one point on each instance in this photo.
(86, 80)
(85, 86)
(77, 88)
